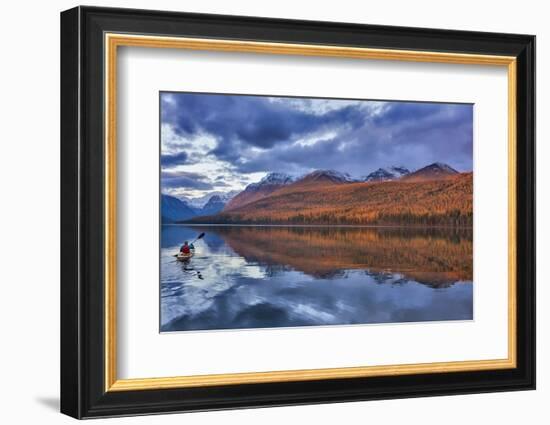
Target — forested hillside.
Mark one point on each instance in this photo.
(445, 201)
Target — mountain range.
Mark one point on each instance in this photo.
(199, 202)
(433, 195)
(174, 209)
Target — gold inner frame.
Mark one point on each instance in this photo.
(113, 41)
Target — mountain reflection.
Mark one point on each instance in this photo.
(431, 256)
(260, 277)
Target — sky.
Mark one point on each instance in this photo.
(221, 143)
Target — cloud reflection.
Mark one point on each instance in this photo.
(241, 292)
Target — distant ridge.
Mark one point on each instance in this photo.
(174, 209)
(199, 202)
(214, 205)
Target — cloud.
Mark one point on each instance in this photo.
(252, 120)
(171, 180)
(174, 159)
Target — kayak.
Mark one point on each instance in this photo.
(184, 257)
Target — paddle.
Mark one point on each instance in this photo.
(197, 238)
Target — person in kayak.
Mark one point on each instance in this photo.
(185, 248)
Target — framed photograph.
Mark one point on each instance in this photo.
(261, 212)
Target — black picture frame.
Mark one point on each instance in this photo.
(83, 392)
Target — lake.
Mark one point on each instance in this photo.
(244, 277)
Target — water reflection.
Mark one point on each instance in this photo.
(250, 277)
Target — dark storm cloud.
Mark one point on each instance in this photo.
(293, 159)
(181, 179)
(171, 160)
(250, 120)
(256, 134)
(419, 133)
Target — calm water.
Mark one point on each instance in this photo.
(258, 277)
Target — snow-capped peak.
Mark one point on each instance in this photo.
(200, 202)
(442, 166)
(399, 170)
(214, 198)
(272, 179)
(433, 171)
(389, 173)
(277, 178)
(331, 174)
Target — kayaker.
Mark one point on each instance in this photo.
(185, 248)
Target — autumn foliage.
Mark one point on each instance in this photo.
(441, 202)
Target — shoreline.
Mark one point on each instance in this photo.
(317, 225)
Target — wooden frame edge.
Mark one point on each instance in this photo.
(306, 375)
(512, 212)
(114, 40)
(110, 213)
